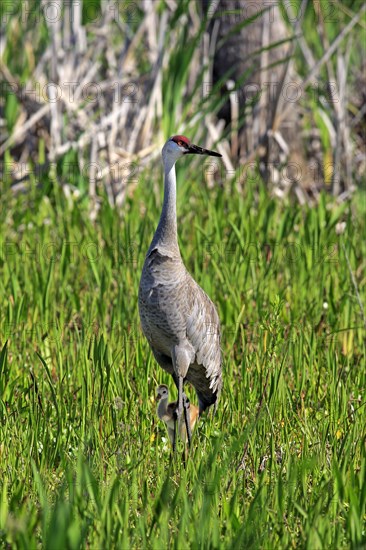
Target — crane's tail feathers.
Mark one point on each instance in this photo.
(205, 401)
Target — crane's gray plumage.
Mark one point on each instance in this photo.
(178, 319)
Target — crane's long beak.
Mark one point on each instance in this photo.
(195, 150)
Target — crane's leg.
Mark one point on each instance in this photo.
(178, 411)
(184, 407)
(182, 357)
(175, 433)
(187, 418)
(180, 398)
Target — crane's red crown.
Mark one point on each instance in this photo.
(181, 140)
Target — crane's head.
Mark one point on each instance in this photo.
(176, 146)
(162, 392)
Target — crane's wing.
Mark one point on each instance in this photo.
(204, 334)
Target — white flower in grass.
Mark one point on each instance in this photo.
(166, 446)
(40, 446)
(340, 228)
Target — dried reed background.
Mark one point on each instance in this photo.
(111, 80)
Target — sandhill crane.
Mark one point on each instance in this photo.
(178, 319)
(167, 412)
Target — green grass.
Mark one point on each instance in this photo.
(84, 462)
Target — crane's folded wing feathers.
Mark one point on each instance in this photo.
(203, 333)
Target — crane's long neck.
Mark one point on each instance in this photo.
(166, 232)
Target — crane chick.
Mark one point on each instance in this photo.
(167, 412)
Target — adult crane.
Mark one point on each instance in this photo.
(178, 319)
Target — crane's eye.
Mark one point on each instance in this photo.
(180, 143)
